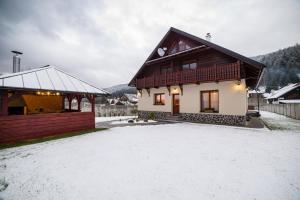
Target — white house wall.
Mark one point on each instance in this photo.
(232, 98)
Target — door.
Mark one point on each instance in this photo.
(175, 104)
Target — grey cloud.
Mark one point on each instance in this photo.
(105, 42)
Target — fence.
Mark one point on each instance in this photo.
(289, 110)
(110, 110)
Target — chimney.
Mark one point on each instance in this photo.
(208, 37)
(16, 61)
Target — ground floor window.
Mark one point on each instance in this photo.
(210, 101)
(159, 99)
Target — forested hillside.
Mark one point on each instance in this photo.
(283, 67)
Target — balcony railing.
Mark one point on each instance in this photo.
(222, 72)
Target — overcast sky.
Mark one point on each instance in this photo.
(106, 42)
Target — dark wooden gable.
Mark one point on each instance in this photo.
(174, 43)
(207, 52)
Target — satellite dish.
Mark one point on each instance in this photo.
(161, 52)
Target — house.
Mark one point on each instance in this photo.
(131, 98)
(32, 104)
(287, 94)
(195, 80)
(255, 99)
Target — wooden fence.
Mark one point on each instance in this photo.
(111, 110)
(289, 110)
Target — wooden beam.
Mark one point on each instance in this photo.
(148, 91)
(181, 89)
(169, 89)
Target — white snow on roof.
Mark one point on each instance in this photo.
(266, 95)
(131, 97)
(283, 90)
(255, 92)
(290, 101)
(47, 78)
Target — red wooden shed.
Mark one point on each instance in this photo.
(33, 104)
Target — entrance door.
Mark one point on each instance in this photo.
(175, 104)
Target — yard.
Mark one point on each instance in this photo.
(176, 161)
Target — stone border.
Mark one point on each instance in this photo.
(156, 114)
(236, 120)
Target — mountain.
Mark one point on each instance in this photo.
(119, 90)
(283, 67)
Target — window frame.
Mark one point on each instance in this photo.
(160, 103)
(202, 110)
(189, 65)
(167, 69)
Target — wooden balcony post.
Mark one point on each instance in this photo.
(239, 68)
(93, 103)
(215, 72)
(70, 98)
(79, 98)
(3, 103)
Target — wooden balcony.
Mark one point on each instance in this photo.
(203, 74)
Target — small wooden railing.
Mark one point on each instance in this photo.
(222, 72)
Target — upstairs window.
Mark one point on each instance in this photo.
(159, 99)
(188, 66)
(183, 46)
(180, 46)
(210, 101)
(166, 70)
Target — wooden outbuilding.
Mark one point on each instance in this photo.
(38, 103)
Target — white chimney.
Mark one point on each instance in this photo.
(16, 61)
(208, 37)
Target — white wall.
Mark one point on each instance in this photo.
(232, 98)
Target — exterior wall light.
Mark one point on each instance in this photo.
(238, 82)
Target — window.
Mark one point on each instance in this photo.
(180, 46)
(188, 66)
(183, 46)
(159, 99)
(210, 101)
(166, 69)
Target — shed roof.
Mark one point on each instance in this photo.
(47, 78)
(284, 90)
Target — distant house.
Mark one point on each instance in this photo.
(193, 79)
(32, 104)
(131, 98)
(287, 94)
(255, 98)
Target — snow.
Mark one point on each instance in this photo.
(276, 121)
(106, 119)
(175, 161)
(290, 101)
(284, 90)
(48, 78)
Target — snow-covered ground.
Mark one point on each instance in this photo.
(105, 119)
(176, 161)
(281, 122)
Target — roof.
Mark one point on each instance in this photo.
(131, 97)
(290, 101)
(214, 46)
(284, 90)
(255, 92)
(47, 78)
